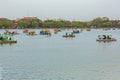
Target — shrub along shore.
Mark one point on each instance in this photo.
(34, 22)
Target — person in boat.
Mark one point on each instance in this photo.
(108, 37)
(1, 38)
(9, 38)
(72, 33)
(13, 33)
(66, 34)
(99, 36)
(104, 36)
(48, 33)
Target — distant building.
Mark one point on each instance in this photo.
(30, 18)
(4, 19)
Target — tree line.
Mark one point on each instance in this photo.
(99, 22)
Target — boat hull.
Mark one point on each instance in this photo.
(25, 31)
(68, 36)
(106, 40)
(8, 42)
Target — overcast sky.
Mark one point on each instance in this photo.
(65, 9)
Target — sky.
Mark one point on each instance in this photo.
(64, 9)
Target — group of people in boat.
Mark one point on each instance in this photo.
(71, 34)
(10, 33)
(105, 37)
(2, 38)
(76, 31)
(45, 32)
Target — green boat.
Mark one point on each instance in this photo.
(71, 35)
(5, 39)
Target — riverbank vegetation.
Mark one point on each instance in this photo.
(34, 22)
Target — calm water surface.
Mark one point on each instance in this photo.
(57, 58)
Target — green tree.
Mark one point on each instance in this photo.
(35, 24)
(26, 24)
(6, 24)
(62, 23)
(76, 24)
(47, 23)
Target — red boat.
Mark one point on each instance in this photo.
(25, 31)
(8, 42)
(68, 36)
(106, 40)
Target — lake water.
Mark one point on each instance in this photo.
(57, 58)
